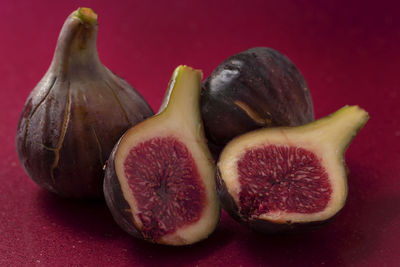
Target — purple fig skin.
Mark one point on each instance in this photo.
(73, 117)
(263, 226)
(256, 88)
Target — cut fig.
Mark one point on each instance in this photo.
(286, 178)
(256, 88)
(159, 182)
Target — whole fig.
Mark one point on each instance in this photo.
(75, 115)
(256, 88)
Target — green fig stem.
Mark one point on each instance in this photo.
(86, 15)
(76, 46)
(340, 127)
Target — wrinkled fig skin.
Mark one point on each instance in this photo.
(73, 117)
(256, 88)
(115, 200)
(263, 226)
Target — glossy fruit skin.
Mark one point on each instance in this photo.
(264, 82)
(73, 117)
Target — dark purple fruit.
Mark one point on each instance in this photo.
(286, 178)
(159, 182)
(256, 88)
(76, 113)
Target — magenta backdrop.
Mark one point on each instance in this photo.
(348, 52)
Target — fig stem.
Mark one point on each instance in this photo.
(86, 15)
(76, 45)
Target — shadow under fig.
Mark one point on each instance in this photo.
(161, 255)
(90, 217)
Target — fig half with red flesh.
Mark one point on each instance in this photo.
(287, 178)
(159, 182)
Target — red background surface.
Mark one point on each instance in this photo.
(348, 52)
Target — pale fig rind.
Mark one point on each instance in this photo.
(327, 138)
(73, 117)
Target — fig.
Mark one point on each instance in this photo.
(159, 182)
(75, 115)
(289, 179)
(259, 87)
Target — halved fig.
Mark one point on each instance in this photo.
(159, 182)
(286, 178)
